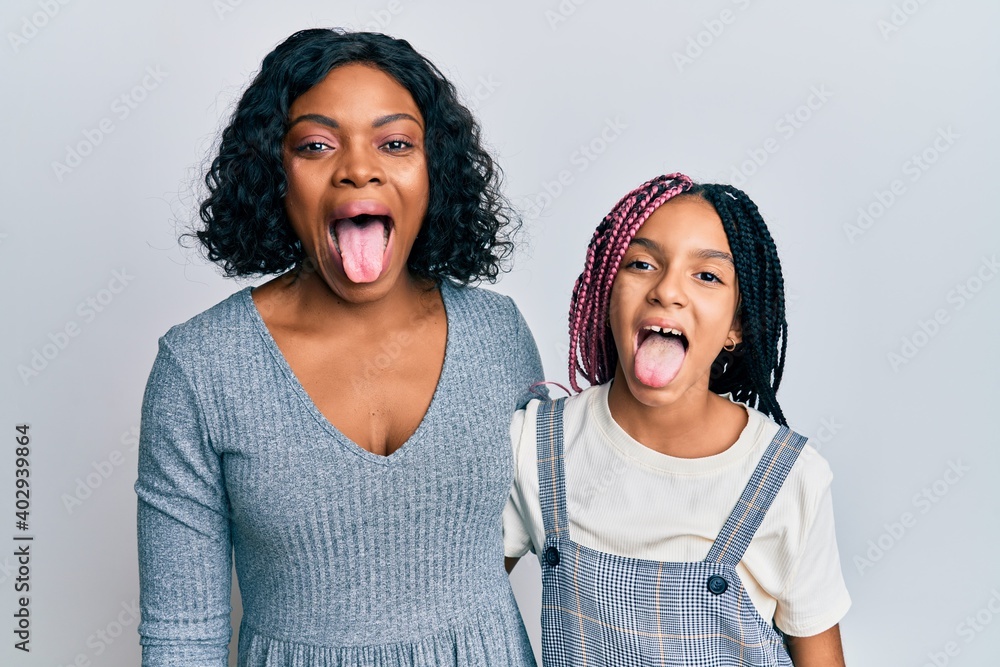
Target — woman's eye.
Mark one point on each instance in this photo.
(312, 147)
(708, 277)
(397, 145)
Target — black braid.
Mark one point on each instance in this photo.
(752, 372)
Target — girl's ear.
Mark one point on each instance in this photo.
(736, 332)
(736, 329)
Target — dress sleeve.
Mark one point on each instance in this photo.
(529, 364)
(815, 597)
(183, 527)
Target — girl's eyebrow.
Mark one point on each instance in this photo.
(331, 123)
(714, 254)
(650, 244)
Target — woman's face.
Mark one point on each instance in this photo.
(357, 179)
(677, 274)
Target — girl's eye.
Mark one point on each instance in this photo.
(397, 145)
(708, 277)
(639, 264)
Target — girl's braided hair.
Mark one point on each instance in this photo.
(752, 371)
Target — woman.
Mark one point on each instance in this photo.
(343, 429)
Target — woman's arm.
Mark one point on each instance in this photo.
(183, 527)
(822, 650)
(517, 539)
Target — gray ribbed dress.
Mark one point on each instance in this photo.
(345, 558)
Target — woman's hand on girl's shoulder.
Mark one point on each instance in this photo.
(822, 650)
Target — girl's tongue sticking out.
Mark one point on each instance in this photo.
(658, 358)
(361, 241)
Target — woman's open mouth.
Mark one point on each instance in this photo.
(362, 242)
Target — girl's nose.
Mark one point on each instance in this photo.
(668, 289)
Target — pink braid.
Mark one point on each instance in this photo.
(592, 351)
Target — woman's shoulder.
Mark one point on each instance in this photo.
(474, 299)
(487, 316)
(214, 329)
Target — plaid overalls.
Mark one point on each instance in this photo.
(601, 609)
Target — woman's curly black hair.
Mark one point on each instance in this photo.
(465, 235)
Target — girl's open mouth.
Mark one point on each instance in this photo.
(659, 354)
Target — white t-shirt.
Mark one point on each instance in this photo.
(627, 499)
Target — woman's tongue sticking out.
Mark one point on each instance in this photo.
(362, 243)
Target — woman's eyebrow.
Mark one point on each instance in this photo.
(331, 123)
(385, 120)
(316, 118)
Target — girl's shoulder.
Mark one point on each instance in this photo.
(810, 476)
(573, 407)
(524, 424)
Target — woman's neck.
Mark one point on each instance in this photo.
(301, 299)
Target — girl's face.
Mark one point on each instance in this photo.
(673, 302)
(357, 179)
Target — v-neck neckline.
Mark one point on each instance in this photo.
(346, 443)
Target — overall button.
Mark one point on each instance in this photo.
(717, 585)
(552, 556)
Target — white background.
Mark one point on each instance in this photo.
(887, 82)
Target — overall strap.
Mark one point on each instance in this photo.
(551, 477)
(767, 478)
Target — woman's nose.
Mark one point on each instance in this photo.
(358, 166)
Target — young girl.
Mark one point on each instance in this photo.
(684, 523)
